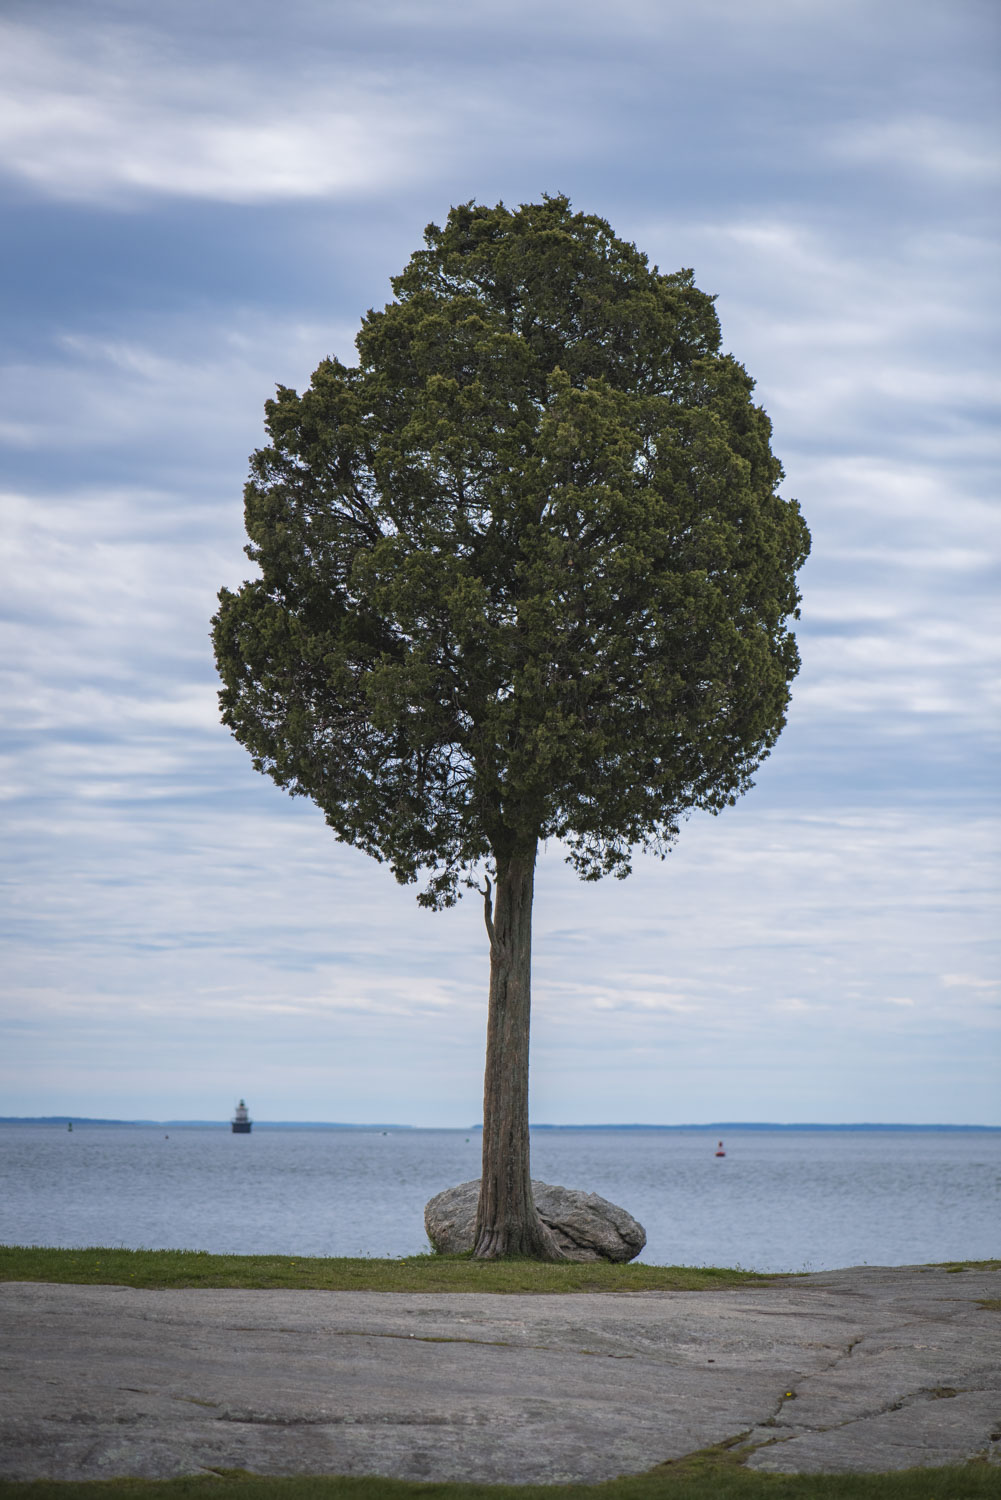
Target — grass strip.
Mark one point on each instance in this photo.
(160, 1269)
(714, 1474)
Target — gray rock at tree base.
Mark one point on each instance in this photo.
(586, 1226)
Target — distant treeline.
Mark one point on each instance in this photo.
(712, 1125)
(193, 1124)
(762, 1125)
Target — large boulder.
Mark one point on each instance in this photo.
(586, 1226)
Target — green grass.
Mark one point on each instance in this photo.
(103, 1266)
(714, 1474)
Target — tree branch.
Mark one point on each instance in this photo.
(488, 915)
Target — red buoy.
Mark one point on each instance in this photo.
(719, 1150)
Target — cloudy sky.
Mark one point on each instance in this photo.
(200, 201)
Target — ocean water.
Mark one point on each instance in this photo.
(782, 1200)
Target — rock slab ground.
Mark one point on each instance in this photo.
(586, 1226)
(865, 1369)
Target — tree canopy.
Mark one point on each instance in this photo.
(524, 569)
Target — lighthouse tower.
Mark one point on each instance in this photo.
(241, 1120)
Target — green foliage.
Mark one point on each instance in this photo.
(714, 1474)
(524, 571)
(105, 1266)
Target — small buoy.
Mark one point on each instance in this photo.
(719, 1150)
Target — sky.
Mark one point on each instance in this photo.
(202, 201)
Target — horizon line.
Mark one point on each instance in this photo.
(541, 1125)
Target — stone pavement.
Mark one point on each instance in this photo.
(864, 1369)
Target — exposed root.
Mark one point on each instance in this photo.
(530, 1242)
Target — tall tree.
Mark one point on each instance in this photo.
(524, 575)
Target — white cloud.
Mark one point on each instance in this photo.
(186, 389)
(103, 115)
(922, 143)
(361, 101)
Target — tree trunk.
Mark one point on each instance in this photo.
(506, 1220)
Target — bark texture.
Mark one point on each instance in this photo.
(507, 1222)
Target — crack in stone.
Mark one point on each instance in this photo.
(923, 1393)
(793, 1395)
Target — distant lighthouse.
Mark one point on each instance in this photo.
(241, 1120)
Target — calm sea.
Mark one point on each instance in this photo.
(779, 1201)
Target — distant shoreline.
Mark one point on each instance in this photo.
(265, 1125)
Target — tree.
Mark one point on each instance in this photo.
(524, 574)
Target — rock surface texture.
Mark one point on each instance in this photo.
(586, 1226)
(841, 1372)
